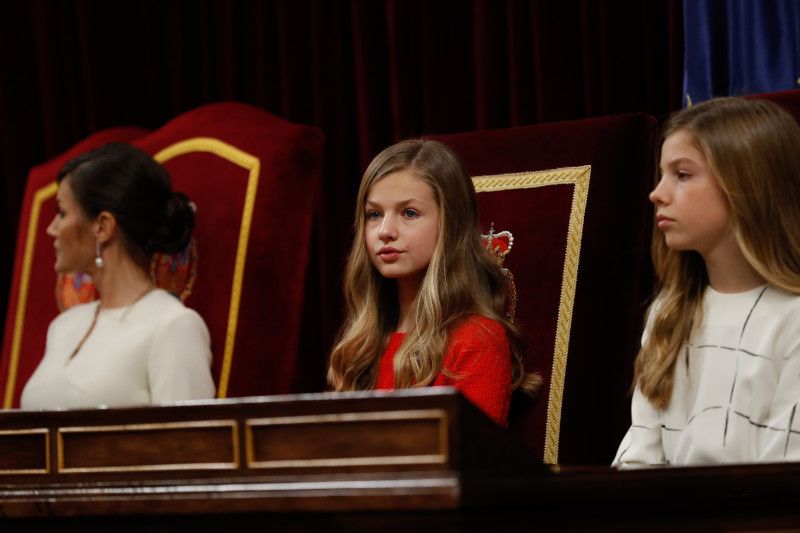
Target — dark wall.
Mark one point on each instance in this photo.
(366, 72)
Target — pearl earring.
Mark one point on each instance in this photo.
(98, 261)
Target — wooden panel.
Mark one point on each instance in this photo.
(204, 445)
(413, 437)
(430, 432)
(174, 468)
(24, 451)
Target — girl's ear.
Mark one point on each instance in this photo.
(104, 227)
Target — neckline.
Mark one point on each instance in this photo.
(120, 312)
(755, 290)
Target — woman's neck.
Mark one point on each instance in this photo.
(407, 293)
(729, 271)
(122, 281)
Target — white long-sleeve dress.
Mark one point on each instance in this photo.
(153, 351)
(736, 392)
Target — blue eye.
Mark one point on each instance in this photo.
(410, 213)
(373, 215)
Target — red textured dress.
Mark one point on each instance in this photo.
(477, 358)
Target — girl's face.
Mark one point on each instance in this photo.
(691, 208)
(70, 229)
(401, 225)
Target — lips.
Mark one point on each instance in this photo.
(389, 254)
(664, 222)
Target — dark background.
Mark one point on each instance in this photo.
(367, 73)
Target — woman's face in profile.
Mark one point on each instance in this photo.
(75, 247)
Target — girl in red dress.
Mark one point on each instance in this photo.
(425, 299)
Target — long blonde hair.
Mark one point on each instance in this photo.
(461, 278)
(753, 150)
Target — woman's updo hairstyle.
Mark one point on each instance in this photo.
(137, 190)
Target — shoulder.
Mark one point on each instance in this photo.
(167, 310)
(478, 362)
(779, 305)
(785, 299)
(162, 303)
(478, 324)
(765, 302)
(479, 331)
(176, 328)
(780, 310)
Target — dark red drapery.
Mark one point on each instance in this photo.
(366, 72)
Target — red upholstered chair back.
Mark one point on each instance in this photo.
(789, 100)
(254, 178)
(574, 196)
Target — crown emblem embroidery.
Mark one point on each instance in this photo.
(499, 244)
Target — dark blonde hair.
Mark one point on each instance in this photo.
(753, 150)
(462, 278)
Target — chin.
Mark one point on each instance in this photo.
(390, 274)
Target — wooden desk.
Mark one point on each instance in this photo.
(387, 461)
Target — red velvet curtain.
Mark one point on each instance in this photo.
(366, 72)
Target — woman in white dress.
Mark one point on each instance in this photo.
(137, 344)
(717, 379)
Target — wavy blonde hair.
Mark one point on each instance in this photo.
(462, 278)
(753, 150)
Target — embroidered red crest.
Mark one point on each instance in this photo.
(499, 245)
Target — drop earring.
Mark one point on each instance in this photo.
(98, 260)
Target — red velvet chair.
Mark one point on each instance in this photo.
(254, 178)
(574, 196)
(789, 100)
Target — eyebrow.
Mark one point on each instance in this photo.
(677, 162)
(681, 160)
(402, 203)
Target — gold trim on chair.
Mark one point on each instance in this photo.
(39, 197)
(253, 165)
(579, 178)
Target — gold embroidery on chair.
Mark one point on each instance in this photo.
(579, 178)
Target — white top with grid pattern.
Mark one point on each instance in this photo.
(736, 392)
(153, 351)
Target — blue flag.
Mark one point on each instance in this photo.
(738, 47)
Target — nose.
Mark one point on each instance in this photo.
(388, 229)
(659, 195)
(51, 229)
